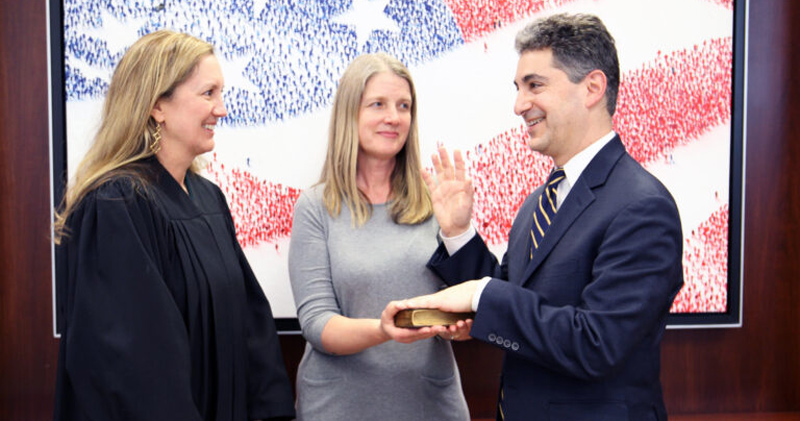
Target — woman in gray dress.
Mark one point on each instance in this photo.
(360, 239)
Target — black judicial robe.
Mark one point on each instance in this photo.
(161, 317)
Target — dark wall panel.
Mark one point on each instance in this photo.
(754, 368)
(27, 348)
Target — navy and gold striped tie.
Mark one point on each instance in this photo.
(545, 208)
(542, 217)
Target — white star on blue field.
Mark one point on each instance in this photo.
(280, 58)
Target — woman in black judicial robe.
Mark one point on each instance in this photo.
(160, 314)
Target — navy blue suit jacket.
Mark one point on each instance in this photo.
(582, 322)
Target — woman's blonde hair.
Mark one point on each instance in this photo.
(150, 70)
(411, 202)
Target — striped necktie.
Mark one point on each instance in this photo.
(545, 208)
(542, 216)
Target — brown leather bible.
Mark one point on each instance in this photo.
(420, 317)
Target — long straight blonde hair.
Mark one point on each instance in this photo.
(151, 69)
(411, 202)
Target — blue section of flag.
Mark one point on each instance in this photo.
(294, 51)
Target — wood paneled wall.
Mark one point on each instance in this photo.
(755, 368)
(27, 348)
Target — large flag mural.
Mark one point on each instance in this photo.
(282, 59)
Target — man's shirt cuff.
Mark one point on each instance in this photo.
(453, 244)
(476, 297)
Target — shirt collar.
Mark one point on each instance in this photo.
(575, 166)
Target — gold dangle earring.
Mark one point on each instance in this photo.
(155, 145)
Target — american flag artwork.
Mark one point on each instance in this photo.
(282, 59)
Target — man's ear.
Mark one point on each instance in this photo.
(595, 83)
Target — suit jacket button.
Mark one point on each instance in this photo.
(499, 340)
(514, 346)
(507, 343)
(492, 337)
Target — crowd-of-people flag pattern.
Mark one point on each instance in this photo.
(668, 102)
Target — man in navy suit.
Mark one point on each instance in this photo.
(580, 311)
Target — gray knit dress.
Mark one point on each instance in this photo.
(338, 269)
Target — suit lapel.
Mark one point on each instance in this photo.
(580, 197)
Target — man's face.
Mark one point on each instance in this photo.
(552, 107)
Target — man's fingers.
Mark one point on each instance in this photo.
(447, 166)
(428, 179)
(470, 189)
(460, 166)
(418, 302)
(437, 167)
